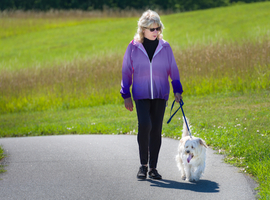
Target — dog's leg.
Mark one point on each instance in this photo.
(188, 172)
(198, 172)
(180, 166)
(191, 173)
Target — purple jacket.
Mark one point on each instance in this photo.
(150, 80)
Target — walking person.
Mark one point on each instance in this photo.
(147, 64)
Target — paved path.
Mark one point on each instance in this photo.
(105, 167)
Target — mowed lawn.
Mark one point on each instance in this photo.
(36, 41)
(61, 75)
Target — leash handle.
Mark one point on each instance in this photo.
(171, 116)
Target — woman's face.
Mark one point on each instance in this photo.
(152, 32)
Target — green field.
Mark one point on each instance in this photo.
(61, 75)
(50, 40)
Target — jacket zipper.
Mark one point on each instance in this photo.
(151, 80)
(151, 70)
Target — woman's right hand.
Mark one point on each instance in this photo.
(129, 104)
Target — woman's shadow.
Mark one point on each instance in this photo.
(204, 186)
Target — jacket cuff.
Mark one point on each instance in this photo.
(125, 96)
(177, 87)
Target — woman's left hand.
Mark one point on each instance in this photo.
(178, 97)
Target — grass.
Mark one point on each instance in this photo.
(67, 62)
(215, 68)
(114, 118)
(2, 155)
(61, 43)
(215, 25)
(66, 38)
(60, 74)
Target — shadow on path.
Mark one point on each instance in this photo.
(204, 186)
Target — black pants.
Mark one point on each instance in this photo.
(150, 113)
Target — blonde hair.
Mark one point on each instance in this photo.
(148, 18)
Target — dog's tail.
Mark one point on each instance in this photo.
(185, 129)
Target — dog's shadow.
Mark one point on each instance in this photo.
(204, 186)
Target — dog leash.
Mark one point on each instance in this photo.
(171, 116)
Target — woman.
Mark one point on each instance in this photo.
(147, 63)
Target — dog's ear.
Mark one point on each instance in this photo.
(202, 143)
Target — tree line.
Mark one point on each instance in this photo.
(174, 5)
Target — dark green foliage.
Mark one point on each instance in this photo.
(174, 5)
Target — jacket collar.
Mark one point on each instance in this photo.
(160, 43)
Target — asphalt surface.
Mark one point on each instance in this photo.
(105, 167)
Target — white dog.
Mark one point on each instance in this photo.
(191, 156)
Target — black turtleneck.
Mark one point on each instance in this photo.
(150, 47)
